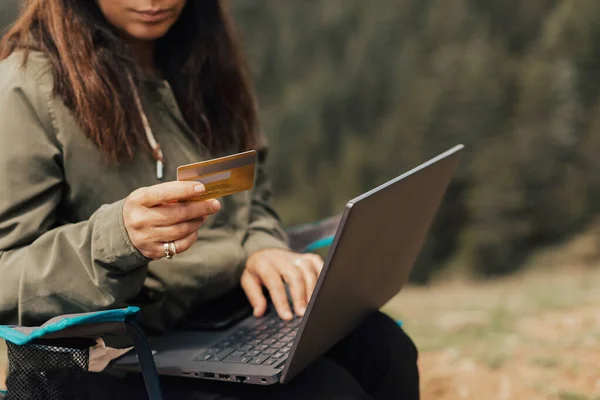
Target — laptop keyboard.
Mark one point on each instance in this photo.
(268, 343)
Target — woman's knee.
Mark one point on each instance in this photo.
(380, 328)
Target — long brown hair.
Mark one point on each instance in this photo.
(200, 57)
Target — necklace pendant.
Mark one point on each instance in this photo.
(159, 170)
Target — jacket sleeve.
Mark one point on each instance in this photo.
(265, 228)
(48, 267)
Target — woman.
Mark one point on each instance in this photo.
(99, 103)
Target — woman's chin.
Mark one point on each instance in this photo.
(147, 32)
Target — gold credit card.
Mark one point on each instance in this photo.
(221, 176)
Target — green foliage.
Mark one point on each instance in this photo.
(8, 11)
(354, 93)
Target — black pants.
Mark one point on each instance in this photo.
(377, 361)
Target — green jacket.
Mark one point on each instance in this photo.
(63, 245)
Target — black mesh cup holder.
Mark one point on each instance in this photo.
(48, 369)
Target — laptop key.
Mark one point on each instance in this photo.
(259, 359)
(222, 354)
(237, 335)
(204, 357)
(270, 361)
(261, 347)
(269, 351)
(278, 355)
(246, 347)
(254, 353)
(237, 360)
(238, 353)
(215, 350)
(281, 361)
(278, 345)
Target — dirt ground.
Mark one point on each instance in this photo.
(532, 336)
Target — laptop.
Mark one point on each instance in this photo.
(376, 245)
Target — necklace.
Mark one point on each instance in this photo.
(156, 150)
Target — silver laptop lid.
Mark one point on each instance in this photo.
(376, 245)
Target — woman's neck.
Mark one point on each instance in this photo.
(143, 54)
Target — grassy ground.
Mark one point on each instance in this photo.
(533, 336)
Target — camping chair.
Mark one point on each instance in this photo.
(51, 362)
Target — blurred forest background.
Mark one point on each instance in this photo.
(355, 92)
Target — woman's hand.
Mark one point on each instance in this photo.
(271, 268)
(153, 216)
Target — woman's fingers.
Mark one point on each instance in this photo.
(294, 277)
(252, 286)
(309, 270)
(156, 215)
(184, 244)
(155, 250)
(171, 214)
(316, 262)
(271, 268)
(166, 193)
(272, 280)
(177, 231)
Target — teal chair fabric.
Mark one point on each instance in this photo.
(77, 325)
(311, 237)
